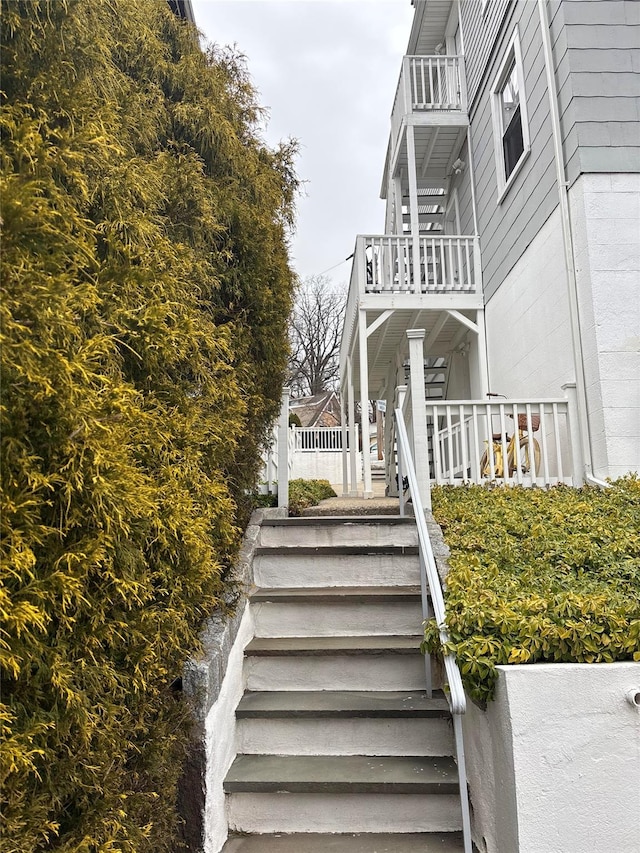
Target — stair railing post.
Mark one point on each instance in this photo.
(419, 414)
(283, 450)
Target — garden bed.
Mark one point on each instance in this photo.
(539, 575)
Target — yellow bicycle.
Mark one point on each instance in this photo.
(518, 453)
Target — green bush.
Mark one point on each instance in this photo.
(306, 493)
(539, 576)
(146, 288)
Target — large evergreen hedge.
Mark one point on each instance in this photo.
(146, 287)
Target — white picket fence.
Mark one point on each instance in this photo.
(312, 453)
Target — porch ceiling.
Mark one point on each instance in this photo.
(437, 146)
(429, 27)
(390, 338)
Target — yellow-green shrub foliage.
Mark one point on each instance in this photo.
(145, 293)
(540, 576)
(306, 493)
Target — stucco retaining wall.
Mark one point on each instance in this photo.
(213, 699)
(554, 761)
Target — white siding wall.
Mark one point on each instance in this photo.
(528, 333)
(606, 218)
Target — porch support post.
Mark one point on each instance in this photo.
(397, 197)
(419, 414)
(389, 460)
(283, 450)
(573, 416)
(364, 404)
(343, 430)
(353, 432)
(480, 377)
(416, 284)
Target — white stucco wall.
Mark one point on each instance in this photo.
(605, 212)
(554, 761)
(527, 321)
(220, 731)
(319, 465)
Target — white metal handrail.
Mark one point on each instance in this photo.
(430, 583)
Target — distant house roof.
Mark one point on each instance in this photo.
(183, 9)
(319, 410)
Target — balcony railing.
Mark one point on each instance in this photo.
(392, 263)
(518, 442)
(428, 83)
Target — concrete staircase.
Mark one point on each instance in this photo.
(339, 748)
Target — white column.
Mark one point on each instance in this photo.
(283, 450)
(416, 284)
(479, 376)
(389, 461)
(345, 458)
(367, 491)
(419, 413)
(397, 190)
(353, 432)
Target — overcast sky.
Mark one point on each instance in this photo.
(327, 71)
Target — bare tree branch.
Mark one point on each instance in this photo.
(315, 330)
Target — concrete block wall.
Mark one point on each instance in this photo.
(527, 322)
(605, 211)
(528, 328)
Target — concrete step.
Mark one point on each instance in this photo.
(338, 530)
(369, 842)
(325, 611)
(366, 813)
(271, 793)
(344, 774)
(335, 663)
(336, 566)
(391, 704)
(318, 646)
(344, 723)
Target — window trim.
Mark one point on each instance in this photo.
(512, 55)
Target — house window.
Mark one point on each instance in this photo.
(510, 125)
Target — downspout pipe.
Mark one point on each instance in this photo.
(569, 254)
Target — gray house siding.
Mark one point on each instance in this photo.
(596, 48)
(508, 227)
(480, 28)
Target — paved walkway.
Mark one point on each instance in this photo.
(377, 505)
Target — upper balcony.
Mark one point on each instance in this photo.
(431, 96)
(430, 89)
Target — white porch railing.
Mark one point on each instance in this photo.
(517, 442)
(428, 83)
(391, 263)
(320, 439)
